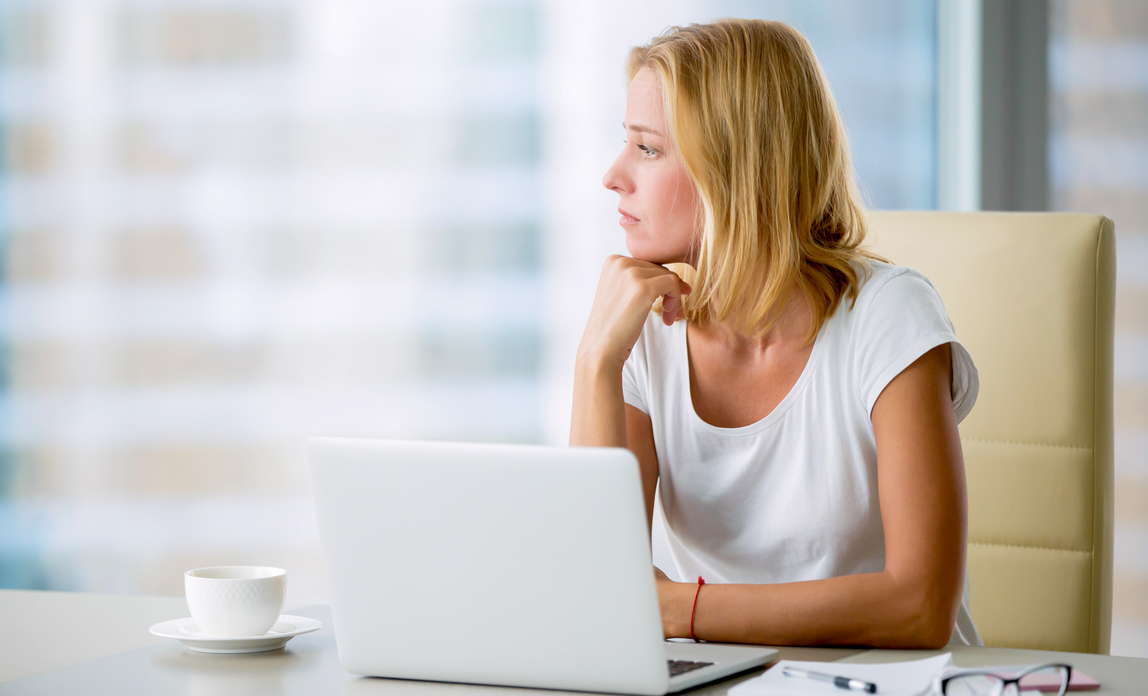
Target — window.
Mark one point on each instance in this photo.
(1098, 163)
(229, 226)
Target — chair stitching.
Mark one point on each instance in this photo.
(1030, 646)
(1026, 444)
(1029, 546)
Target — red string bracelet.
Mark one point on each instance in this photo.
(701, 581)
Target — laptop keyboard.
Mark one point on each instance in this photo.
(682, 666)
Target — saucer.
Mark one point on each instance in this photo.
(286, 628)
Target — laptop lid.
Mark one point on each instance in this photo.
(492, 564)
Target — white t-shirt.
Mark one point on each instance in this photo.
(793, 496)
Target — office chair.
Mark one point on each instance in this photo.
(1031, 296)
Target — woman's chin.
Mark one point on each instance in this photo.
(659, 260)
(652, 255)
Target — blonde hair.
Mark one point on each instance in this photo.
(751, 115)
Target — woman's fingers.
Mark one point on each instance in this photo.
(667, 286)
(673, 306)
(626, 291)
(662, 282)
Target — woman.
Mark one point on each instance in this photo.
(797, 399)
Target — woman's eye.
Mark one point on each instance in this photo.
(649, 151)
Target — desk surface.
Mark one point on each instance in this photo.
(95, 644)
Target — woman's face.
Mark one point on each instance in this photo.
(658, 197)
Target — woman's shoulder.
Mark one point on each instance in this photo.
(885, 284)
(652, 359)
(656, 338)
(656, 330)
(899, 316)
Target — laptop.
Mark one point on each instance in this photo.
(507, 565)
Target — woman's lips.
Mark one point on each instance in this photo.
(627, 219)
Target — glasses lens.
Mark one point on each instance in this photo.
(1050, 680)
(973, 685)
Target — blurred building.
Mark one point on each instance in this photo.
(1098, 162)
(229, 226)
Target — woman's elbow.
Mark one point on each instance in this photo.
(926, 618)
(933, 633)
(931, 624)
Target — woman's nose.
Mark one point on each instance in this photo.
(616, 178)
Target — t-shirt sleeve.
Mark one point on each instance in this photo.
(636, 375)
(903, 320)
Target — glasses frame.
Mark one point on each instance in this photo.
(941, 681)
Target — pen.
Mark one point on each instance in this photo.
(839, 682)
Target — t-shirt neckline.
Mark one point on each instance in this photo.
(770, 418)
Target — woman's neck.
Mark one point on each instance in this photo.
(792, 319)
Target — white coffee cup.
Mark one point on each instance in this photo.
(234, 601)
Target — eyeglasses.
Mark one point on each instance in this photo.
(1049, 678)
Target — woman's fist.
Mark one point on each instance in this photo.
(627, 289)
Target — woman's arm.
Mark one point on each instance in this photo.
(626, 291)
(640, 438)
(913, 602)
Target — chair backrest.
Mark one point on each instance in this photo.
(1031, 296)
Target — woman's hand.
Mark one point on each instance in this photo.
(626, 291)
(676, 601)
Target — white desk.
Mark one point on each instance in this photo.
(62, 643)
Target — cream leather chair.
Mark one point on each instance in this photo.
(1031, 296)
